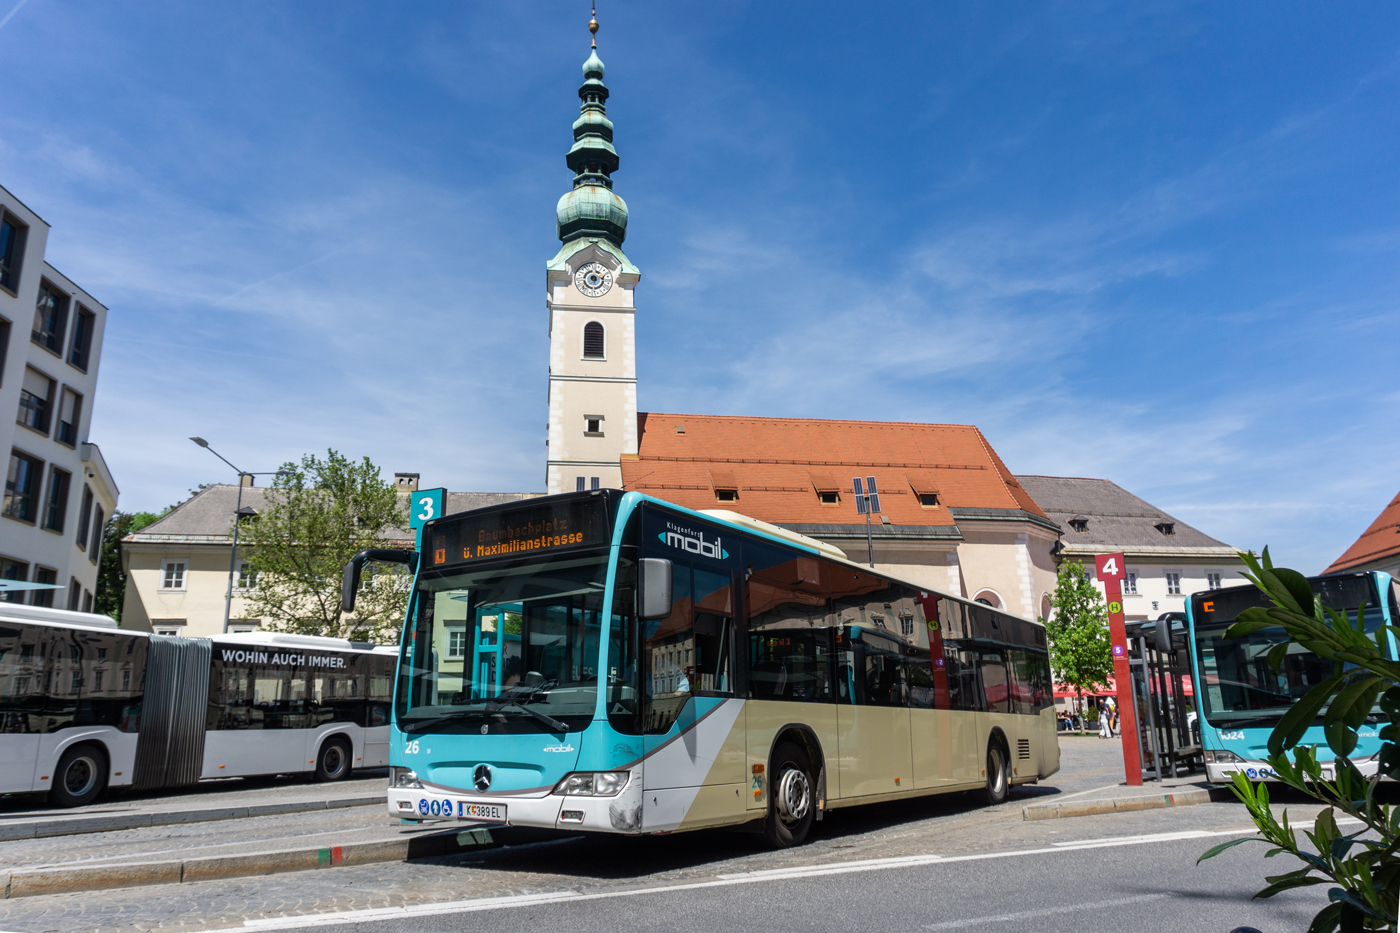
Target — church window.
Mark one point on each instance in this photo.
(593, 341)
(593, 425)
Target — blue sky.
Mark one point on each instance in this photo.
(1153, 242)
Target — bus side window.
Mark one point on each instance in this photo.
(668, 655)
(995, 689)
(964, 693)
(789, 651)
(623, 699)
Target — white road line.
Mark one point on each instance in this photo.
(754, 877)
(1057, 798)
(1043, 912)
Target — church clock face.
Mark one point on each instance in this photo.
(593, 279)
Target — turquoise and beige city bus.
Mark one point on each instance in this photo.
(1240, 698)
(607, 661)
(85, 706)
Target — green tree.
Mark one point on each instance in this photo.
(111, 580)
(317, 515)
(1363, 866)
(1081, 654)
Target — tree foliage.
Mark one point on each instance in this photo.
(1361, 865)
(317, 515)
(111, 580)
(1081, 654)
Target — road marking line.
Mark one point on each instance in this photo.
(1057, 798)
(1043, 912)
(557, 897)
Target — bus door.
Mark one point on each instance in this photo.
(873, 729)
(496, 660)
(21, 705)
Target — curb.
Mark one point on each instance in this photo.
(72, 826)
(40, 881)
(1185, 798)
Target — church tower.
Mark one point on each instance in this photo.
(591, 282)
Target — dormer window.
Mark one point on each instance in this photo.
(726, 495)
(1165, 527)
(829, 497)
(928, 500)
(1079, 523)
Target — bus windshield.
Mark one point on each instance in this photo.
(510, 649)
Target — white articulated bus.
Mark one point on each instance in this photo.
(85, 705)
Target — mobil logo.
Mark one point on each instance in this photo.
(692, 541)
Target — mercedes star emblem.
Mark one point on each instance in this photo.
(481, 777)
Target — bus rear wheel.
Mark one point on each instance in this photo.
(998, 781)
(333, 761)
(81, 775)
(792, 804)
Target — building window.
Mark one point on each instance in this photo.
(50, 318)
(829, 497)
(70, 409)
(1173, 584)
(580, 487)
(11, 251)
(726, 495)
(1130, 583)
(97, 677)
(44, 597)
(4, 346)
(87, 601)
(172, 574)
(75, 594)
(1079, 524)
(457, 643)
(22, 487)
(56, 499)
(84, 516)
(1212, 580)
(162, 627)
(99, 528)
(34, 408)
(593, 482)
(1165, 527)
(906, 626)
(593, 425)
(81, 348)
(13, 570)
(593, 341)
(928, 500)
(247, 576)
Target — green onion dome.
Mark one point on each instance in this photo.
(592, 208)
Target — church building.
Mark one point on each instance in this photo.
(953, 516)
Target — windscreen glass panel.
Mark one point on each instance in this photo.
(505, 649)
(1240, 688)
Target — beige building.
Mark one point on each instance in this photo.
(1166, 560)
(178, 568)
(58, 490)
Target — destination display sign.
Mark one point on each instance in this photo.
(530, 529)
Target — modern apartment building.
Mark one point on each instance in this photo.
(58, 491)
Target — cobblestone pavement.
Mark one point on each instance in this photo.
(230, 792)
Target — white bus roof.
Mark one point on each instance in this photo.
(15, 612)
(287, 640)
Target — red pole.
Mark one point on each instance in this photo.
(1111, 572)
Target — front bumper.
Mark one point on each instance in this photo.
(1262, 771)
(620, 814)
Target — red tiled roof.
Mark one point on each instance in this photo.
(1381, 540)
(779, 465)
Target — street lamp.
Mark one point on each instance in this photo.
(238, 515)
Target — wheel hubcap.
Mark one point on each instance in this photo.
(80, 776)
(997, 771)
(794, 795)
(335, 759)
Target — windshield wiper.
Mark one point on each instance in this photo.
(496, 704)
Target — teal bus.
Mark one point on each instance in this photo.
(1240, 698)
(608, 661)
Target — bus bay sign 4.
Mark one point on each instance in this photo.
(1110, 570)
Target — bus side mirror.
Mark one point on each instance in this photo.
(655, 578)
(350, 583)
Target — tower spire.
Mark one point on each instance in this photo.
(592, 209)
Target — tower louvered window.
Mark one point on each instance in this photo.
(593, 341)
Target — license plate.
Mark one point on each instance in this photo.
(483, 812)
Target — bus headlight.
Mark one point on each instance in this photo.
(593, 784)
(404, 777)
(1222, 757)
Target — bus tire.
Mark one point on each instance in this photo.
(333, 760)
(792, 797)
(998, 778)
(80, 776)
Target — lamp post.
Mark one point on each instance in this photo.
(238, 515)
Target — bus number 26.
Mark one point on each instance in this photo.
(411, 748)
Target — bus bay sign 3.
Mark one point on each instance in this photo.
(1110, 570)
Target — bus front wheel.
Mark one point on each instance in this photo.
(792, 803)
(81, 775)
(333, 762)
(998, 782)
